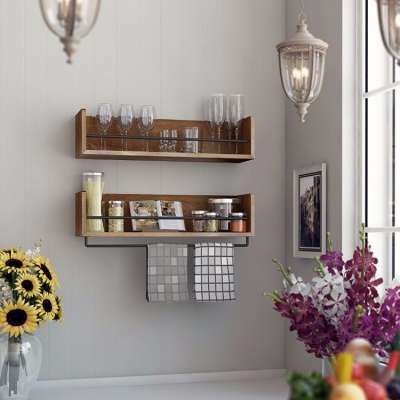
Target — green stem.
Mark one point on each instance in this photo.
(283, 271)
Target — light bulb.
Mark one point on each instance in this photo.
(397, 20)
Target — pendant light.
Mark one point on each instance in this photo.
(302, 66)
(389, 22)
(70, 20)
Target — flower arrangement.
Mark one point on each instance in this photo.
(27, 300)
(27, 291)
(341, 303)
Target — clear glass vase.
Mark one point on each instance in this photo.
(20, 362)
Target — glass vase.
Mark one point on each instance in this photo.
(20, 362)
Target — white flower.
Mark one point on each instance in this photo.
(329, 295)
(35, 252)
(299, 287)
(5, 291)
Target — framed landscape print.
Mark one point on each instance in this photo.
(309, 212)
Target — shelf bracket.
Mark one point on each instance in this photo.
(144, 245)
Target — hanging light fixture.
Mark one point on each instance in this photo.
(389, 22)
(70, 20)
(302, 66)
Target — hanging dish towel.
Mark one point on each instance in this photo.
(167, 279)
(214, 272)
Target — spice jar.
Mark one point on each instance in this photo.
(199, 224)
(238, 223)
(93, 185)
(211, 222)
(115, 209)
(223, 208)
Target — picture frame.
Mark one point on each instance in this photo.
(309, 211)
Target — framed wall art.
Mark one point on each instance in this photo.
(309, 211)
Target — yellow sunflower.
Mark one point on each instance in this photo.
(60, 314)
(47, 306)
(27, 285)
(13, 261)
(45, 271)
(17, 318)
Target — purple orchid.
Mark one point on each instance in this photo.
(340, 304)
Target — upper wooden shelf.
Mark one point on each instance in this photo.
(89, 146)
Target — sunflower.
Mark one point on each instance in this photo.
(45, 271)
(27, 285)
(47, 306)
(17, 318)
(60, 313)
(13, 261)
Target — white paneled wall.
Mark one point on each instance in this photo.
(173, 54)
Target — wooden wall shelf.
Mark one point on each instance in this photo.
(88, 145)
(189, 203)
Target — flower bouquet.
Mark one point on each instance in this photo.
(27, 300)
(340, 304)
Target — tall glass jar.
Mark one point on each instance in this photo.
(115, 209)
(93, 185)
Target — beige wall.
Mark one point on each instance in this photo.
(318, 140)
(172, 53)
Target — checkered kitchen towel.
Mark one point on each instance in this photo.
(167, 279)
(214, 272)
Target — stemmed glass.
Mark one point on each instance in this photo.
(125, 121)
(104, 119)
(146, 121)
(236, 114)
(218, 114)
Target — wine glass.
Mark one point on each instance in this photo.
(236, 114)
(146, 121)
(218, 114)
(125, 121)
(104, 119)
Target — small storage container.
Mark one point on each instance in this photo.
(224, 208)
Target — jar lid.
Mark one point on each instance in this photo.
(238, 214)
(223, 201)
(199, 212)
(116, 203)
(211, 214)
(93, 173)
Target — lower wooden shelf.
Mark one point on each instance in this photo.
(189, 203)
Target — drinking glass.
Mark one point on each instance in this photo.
(104, 119)
(191, 146)
(164, 142)
(146, 122)
(217, 115)
(172, 143)
(125, 121)
(236, 114)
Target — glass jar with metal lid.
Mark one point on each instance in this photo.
(224, 208)
(238, 222)
(199, 223)
(115, 209)
(211, 222)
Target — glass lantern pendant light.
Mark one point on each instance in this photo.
(70, 20)
(389, 22)
(302, 66)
